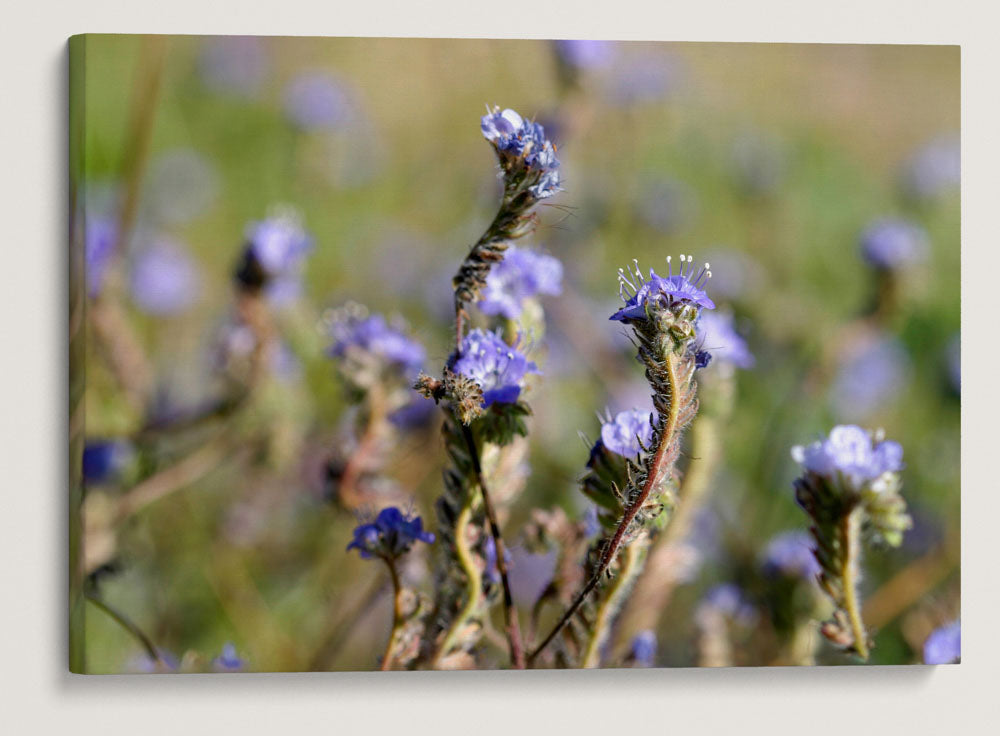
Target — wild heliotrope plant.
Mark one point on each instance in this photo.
(663, 314)
(850, 488)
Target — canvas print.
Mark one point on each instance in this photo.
(431, 354)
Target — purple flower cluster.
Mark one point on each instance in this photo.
(521, 275)
(104, 459)
(515, 138)
(497, 367)
(944, 645)
(164, 279)
(370, 336)
(717, 334)
(684, 286)
(278, 244)
(628, 433)
(390, 535)
(790, 554)
(894, 243)
(849, 452)
(228, 660)
(643, 648)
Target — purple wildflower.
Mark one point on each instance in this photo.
(894, 243)
(368, 337)
(628, 432)
(530, 574)
(525, 141)
(497, 367)
(851, 453)
(164, 278)
(718, 335)
(944, 645)
(99, 248)
(726, 599)
(521, 275)
(390, 535)
(236, 65)
(790, 554)
(585, 54)
(870, 375)
(319, 101)
(104, 459)
(228, 660)
(684, 286)
(643, 648)
(278, 244)
(934, 169)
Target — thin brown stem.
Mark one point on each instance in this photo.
(656, 469)
(397, 615)
(126, 623)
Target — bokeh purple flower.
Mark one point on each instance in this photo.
(684, 286)
(646, 79)
(717, 335)
(944, 645)
(234, 65)
(894, 243)
(390, 535)
(530, 574)
(851, 453)
(319, 101)
(497, 367)
(370, 338)
(953, 356)
(164, 279)
(727, 600)
(934, 169)
(100, 239)
(871, 374)
(581, 54)
(103, 460)
(642, 650)
(228, 660)
(522, 274)
(628, 432)
(791, 554)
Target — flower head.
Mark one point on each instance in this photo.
(944, 645)
(278, 244)
(790, 554)
(684, 286)
(643, 648)
(228, 660)
(369, 337)
(523, 145)
(628, 433)
(497, 367)
(390, 535)
(164, 278)
(894, 243)
(521, 275)
(849, 452)
(104, 459)
(719, 337)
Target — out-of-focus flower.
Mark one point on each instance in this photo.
(228, 660)
(99, 248)
(944, 645)
(103, 460)
(718, 336)
(390, 535)
(585, 54)
(236, 65)
(145, 665)
(684, 286)
(934, 169)
(370, 339)
(667, 205)
(646, 79)
(642, 650)
(530, 574)
(319, 101)
(521, 275)
(497, 367)
(790, 554)
(852, 454)
(414, 415)
(871, 374)
(893, 243)
(491, 571)
(278, 243)
(628, 432)
(727, 600)
(758, 163)
(164, 278)
(181, 185)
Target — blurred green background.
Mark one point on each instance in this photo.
(767, 159)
